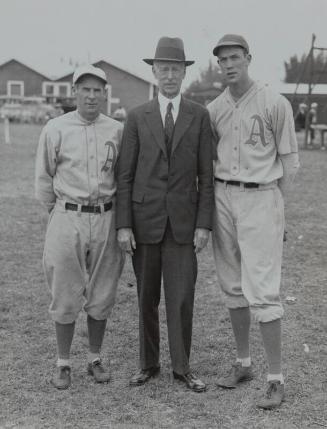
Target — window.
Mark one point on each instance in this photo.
(63, 90)
(15, 88)
(49, 89)
(56, 89)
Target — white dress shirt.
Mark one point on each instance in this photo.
(163, 103)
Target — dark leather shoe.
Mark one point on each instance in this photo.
(143, 376)
(275, 395)
(62, 379)
(191, 381)
(237, 374)
(96, 369)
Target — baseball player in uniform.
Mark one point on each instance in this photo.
(75, 180)
(257, 158)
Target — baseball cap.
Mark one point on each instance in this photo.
(89, 69)
(231, 40)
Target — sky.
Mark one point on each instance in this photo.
(46, 34)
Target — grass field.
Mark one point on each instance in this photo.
(27, 342)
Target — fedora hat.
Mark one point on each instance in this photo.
(169, 49)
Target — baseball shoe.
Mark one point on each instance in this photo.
(143, 376)
(275, 395)
(62, 379)
(237, 374)
(99, 374)
(191, 381)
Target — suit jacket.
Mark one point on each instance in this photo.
(152, 188)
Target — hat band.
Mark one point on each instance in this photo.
(169, 53)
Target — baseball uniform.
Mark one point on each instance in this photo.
(253, 134)
(75, 176)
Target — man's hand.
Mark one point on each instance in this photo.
(126, 240)
(201, 237)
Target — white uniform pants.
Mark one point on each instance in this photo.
(247, 243)
(82, 263)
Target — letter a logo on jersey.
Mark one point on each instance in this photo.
(257, 131)
(111, 157)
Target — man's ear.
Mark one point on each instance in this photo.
(154, 71)
(249, 58)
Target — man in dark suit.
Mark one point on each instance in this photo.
(164, 209)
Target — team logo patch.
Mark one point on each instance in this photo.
(257, 132)
(111, 157)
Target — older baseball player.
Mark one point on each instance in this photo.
(257, 158)
(75, 180)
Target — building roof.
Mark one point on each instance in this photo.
(302, 88)
(63, 70)
(98, 64)
(13, 60)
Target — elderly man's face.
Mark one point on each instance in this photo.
(90, 93)
(169, 75)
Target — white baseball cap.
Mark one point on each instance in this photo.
(89, 69)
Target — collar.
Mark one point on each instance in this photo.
(85, 121)
(253, 88)
(164, 101)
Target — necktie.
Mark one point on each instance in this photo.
(169, 127)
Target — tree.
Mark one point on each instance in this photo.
(298, 70)
(207, 86)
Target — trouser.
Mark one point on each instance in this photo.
(247, 242)
(82, 263)
(177, 264)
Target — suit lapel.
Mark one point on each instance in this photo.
(154, 121)
(184, 119)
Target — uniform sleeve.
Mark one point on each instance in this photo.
(283, 127)
(45, 168)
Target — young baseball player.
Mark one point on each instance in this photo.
(75, 179)
(257, 158)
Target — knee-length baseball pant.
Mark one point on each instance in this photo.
(247, 242)
(82, 263)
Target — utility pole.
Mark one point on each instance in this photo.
(311, 73)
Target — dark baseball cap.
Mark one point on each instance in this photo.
(231, 40)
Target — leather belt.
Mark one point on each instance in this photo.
(237, 183)
(89, 209)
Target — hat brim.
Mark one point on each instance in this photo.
(151, 60)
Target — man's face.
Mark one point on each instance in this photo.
(169, 75)
(90, 93)
(234, 63)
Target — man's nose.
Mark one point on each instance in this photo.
(92, 93)
(170, 74)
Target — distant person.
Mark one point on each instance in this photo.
(75, 180)
(120, 114)
(164, 210)
(312, 119)
(257, 158)
(300, 117)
